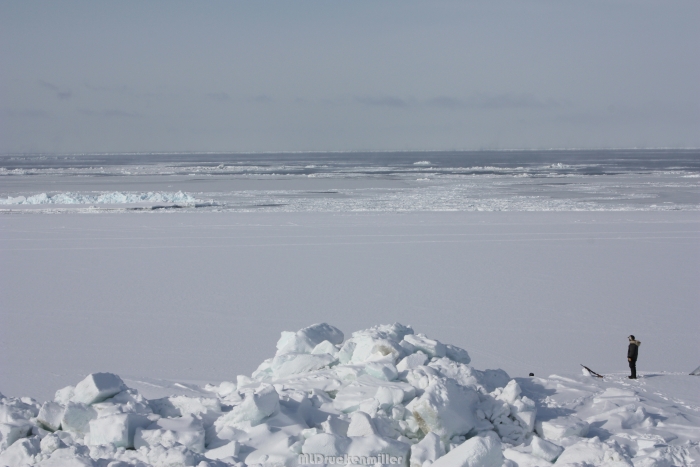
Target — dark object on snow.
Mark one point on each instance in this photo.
(632, 352)
(696, 372)
(532, 374)
(597, 375)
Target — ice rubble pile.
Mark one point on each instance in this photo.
(103, 198)
(383, 391)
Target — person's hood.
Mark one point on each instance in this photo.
(635, 342)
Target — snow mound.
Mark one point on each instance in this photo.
(102, 198)
(384, 396)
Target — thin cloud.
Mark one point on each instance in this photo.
(446, 102)
(383, 101)
(218, 96)
(109, 89)
(494, 101)
(474, 102)
(262, 99)
(110, 113)
(28, 113)
(509, 101)
(60, 92)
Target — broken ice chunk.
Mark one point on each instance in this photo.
(388, 397)
(97, 387)
(511, 392)
(50, 415)
(293, 363)
(445, 408)
(349, 398)
(368, 348)
(225, 388)
(231, 449)
(118, 429)
(334, 426)
(63, 395)
(305, 340)
(524, 411)
(76, 418)
(374, 445)
(325, 347)
(346, 351)
(206, 408)
(382, 370)
(22, 452)
(361, 425)
(326, 444)
(175, 456)
(166, 432)
(50, 443)
(560, 428)
(370, 407)
(594, 452)
(480, 451)
(11, 432)
(412, 361)
(457, 354)
(544, 449)
(431, 347)
(256, 406)
(18, 410)
(429, 448)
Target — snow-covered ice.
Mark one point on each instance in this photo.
(194, 297)
(96, 388)
(612, 180)
(102, 198)
(186, 306)
(438, 412)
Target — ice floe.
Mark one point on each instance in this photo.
(536, 181)
(384, 396)
(102, 198)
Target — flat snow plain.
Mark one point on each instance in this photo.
(202, 296)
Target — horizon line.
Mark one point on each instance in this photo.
(354, 151)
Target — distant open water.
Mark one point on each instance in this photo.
(568, 180)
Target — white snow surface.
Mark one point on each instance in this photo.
(196, 292)
(101, 198)
(194, 297)
(442, 413)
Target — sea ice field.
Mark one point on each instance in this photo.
(180, 272)
(569, 180)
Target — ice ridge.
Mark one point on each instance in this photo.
(102, 198)
(384, 393)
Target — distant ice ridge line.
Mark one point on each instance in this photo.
(116, 197)
(356, 151)
(385, 392)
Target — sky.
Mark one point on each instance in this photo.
(161, 76)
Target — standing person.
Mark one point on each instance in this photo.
(632, 352)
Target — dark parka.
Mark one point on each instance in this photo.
(633, 350)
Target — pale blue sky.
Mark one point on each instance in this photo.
(322, 75)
